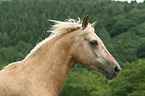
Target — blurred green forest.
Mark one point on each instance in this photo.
(121, 26)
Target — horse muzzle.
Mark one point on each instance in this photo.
(112, 74)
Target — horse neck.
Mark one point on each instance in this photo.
(54, 60)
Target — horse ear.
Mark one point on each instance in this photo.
(94, 23)
(85, 22)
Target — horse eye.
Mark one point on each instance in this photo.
(93, 43)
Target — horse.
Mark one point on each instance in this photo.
(44, 70)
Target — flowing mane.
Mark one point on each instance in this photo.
(63, 27)
(57, 29)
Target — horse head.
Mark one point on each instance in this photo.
(91, 52)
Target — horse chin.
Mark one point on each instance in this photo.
(110, 76)
(107, 75)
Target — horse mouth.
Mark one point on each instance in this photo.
(109, 76)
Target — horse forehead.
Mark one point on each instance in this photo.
(91, 36)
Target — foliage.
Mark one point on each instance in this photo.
(81, 84)
(16, 53)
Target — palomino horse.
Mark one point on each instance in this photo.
(44, 70)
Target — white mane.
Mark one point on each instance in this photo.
(57, 29)
(64, 27)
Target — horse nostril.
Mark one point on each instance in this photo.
(117, 70)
